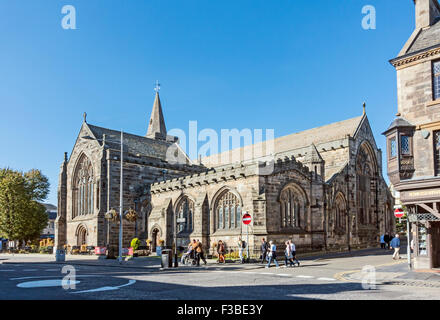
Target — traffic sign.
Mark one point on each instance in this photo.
(399, 213)
(247, 218)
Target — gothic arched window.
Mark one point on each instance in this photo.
(340, 212)
(293, 206)
(366, 184)
(228, 212)
(83, 188)
(185, 215)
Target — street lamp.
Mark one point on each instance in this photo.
(121, 189)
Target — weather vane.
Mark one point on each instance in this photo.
(157, 87)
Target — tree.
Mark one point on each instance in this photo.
(21, 216)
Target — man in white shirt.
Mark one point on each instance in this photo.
(293, 249)
(272, 255)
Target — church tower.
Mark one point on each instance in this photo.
(156, 126)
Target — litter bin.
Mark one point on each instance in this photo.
(166, 259)
(60, 255)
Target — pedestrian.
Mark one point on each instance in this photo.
(382, 241)
(293, 250)
(395, 243)
(288, 255)
(387, 240)
(221, 252)
(199, 251)
(263, 250)
(272, 254)
(241, 246)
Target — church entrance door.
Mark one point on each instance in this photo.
(155, 240)
(82, 236)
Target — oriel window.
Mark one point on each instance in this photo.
(436, 79)
(404, 145)
(437, 152)
(393, 147)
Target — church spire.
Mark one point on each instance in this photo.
(156, 126)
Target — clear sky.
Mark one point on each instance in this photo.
(284, 64)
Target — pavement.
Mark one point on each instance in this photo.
(331, 276)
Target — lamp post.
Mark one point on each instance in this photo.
(121, 201)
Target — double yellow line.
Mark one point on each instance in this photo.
(340, 275)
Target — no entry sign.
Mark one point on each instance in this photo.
(247, 218)
(398, 213)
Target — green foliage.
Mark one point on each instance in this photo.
(135, 243)
(21, 216)
(37, 184)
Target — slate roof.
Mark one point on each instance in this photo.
(312, 155)
(327, 133)
(426, 39)
(399, 122)
(133, 144)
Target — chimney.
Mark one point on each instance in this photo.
(426, 12)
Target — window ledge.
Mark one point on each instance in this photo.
(433, 103)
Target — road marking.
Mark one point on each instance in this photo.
(305, 277)
(30, 270)
(341, 275)
(107, 288)
(283, 275)
(41, 277)
(327, 279)
(50, 270)
(44, 283)
(7, 270)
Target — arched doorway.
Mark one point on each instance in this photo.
(81, 236)
(155, 239)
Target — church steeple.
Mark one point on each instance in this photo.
(156, 126)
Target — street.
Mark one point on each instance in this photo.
(316, 278)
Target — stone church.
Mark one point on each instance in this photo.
(323, 188)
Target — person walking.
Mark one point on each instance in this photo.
(395, 244)
(272, 254)
(221, 252)
(293, 250)
(288, 255)
(382, 241)
(263, 250)
(241, 246)
(199, 251)
(387, 240)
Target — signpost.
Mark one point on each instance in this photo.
(247, 219)
(399, 213)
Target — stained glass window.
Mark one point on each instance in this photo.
(83, 189)
(185, 211)
(292, 204)
(228, 211)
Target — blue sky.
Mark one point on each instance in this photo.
(285, 64)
